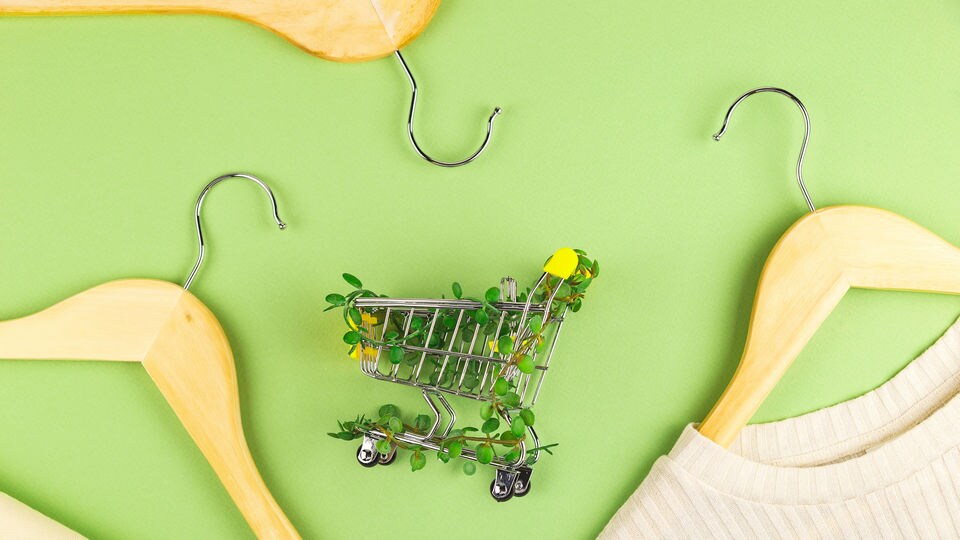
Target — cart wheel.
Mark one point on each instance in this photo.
(521, 489)
(366, 457)
(500, 492)
(388, 458)
(522, 484)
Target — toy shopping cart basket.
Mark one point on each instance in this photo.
(453, 347)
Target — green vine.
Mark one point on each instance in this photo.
(518, 346)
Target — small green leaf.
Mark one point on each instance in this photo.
(469, 468)
(417, 461)
(449, 322)
(512, 455)
(422, 422)
(518, 426)
(351, 338)
(383, 446)
(396, 354)
(481, 317)
(443, 456)
(389, 410)
(391, 335)
(526, 364)
(528, 417)
(416, 323)
(511, 399)
(355, 316)
(455, 449)
(485, 454)
(492, 295)
(396, 425)
(486, 411)
(336, 299)
(501, 387)
(353, 281)
(596, 268)
(582, 286)
(505, 345)
(535, 323)
(457, 290)
(490, 425)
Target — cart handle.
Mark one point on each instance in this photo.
(563, 263)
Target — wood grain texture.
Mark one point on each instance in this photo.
(339, 30)
(184, 349)
(811, 268)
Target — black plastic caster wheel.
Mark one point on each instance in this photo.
(498, 495)
(367, 459)
(517, 492)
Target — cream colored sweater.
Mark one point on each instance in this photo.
(884, 465)
(20, 522)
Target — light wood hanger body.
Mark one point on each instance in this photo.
(184, 350)
(339, 30)
(814, 264)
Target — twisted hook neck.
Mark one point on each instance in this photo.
(806, 132)
(413, 139)
(203, 195)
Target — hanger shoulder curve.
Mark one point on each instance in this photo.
(339, 30)
(193, 366)
(184, 350)
(806, 275)
(117, 321)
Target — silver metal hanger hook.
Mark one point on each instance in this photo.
(413, 140)
(203, 195)
(806, 133)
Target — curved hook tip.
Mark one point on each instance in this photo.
(202, 197)
(806, 132)
(413, 140)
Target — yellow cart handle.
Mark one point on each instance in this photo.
(563, 263)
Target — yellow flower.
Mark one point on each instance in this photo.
(366, 351)
(365, 318)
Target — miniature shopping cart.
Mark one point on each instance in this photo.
(458, 355)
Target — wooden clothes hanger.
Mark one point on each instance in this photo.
(184, 349)
(338, 30)
(822, 256)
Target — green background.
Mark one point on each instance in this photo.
(110, 126)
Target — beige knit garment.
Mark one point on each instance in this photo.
(883, 465)
(20, 522)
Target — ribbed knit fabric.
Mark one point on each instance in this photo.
(883, 465)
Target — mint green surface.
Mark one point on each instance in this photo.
(109, 127)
